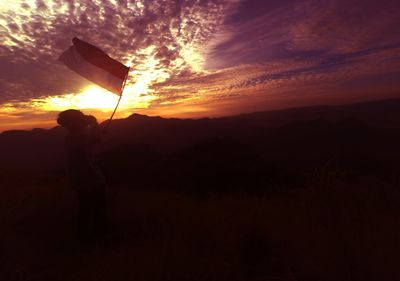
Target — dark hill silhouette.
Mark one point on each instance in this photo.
(356, 141)
(382, 113)
(297, 194)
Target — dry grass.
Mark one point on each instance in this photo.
(347, 233)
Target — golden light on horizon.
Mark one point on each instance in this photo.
(91, 97)
(94, 97)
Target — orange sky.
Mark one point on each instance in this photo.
(197, 58)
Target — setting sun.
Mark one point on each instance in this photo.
(95, 97)
(91, 97)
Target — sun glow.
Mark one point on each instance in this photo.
(91, 97)
(193, 58)
(97, 98)
(137, 94)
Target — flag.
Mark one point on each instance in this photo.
(95, 65)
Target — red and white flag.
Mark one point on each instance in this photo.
(95, 65)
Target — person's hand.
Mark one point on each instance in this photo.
(91, 120)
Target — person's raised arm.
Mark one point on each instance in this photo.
(94, 129)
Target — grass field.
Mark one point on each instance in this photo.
(325, 233)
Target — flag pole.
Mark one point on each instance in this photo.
(115, 109)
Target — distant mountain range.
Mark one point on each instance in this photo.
(286, 136)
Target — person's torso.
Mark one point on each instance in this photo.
(82, 171)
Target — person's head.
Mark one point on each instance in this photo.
(72, 119)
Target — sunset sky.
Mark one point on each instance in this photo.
(197, 58)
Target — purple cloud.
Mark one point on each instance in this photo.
(36, 35)
(256, 54)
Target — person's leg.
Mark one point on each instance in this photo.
(99, 210)
(84, 214)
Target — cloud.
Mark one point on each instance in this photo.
(345, 26)
(312, 28)
(285, 78)
(208, 57)
(169, 32)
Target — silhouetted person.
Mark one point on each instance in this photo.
(84, 176)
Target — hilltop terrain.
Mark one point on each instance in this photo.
(297, 194)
